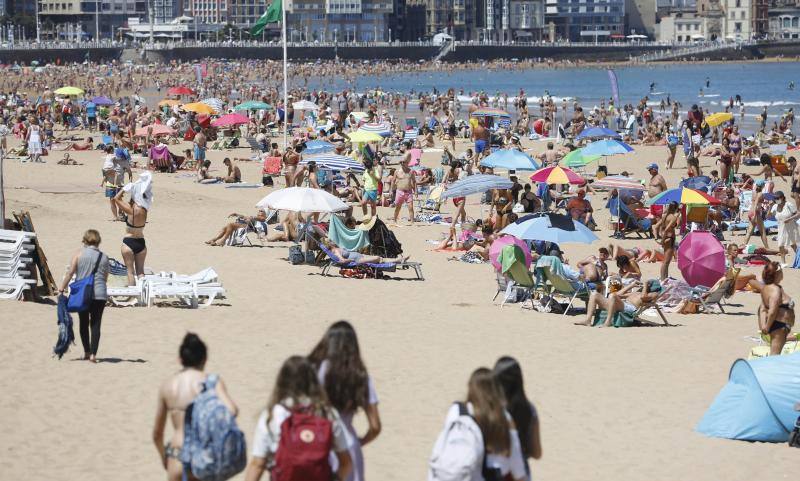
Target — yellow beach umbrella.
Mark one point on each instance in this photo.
(718, 118)
(69, 91)
(362, 136)
(170, 102)
(199, 108)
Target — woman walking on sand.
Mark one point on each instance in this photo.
(34, 139)
(174, 397)
(90, 260)
(344, 377)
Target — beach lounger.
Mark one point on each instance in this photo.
(334, 261)
(622, 319)
(707, 297)
(628, 221)
(13, 288)
(554, 284)
(125, 296)
(254, 145)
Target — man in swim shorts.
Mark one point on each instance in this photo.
(405, 185)
(481, 137)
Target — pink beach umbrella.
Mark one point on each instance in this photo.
(701, 259)
(498, 244)
(157, 129)
(230, 119)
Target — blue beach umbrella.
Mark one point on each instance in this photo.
(607, 147)
(102, 100)
(598, 133)
(511, 159)
(334, 162)
(550, 228)
(315, 147)
(476, 184)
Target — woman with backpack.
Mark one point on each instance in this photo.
(296, 433)
(90, 261)
(349, 388)
(508, 374)
(501, 458)
(176, 394)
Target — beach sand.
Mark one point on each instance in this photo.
(614, 403)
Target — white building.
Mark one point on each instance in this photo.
(682, 27)
(209, 11)
(737, 24)
(784, 22)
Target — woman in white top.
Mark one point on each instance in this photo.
(34, 141)
(344, 377)
(485, 402)
(296, 388)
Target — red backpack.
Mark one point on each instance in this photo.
(306, 441)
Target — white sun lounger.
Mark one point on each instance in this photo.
(12, 288)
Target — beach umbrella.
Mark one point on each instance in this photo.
(360, 137)
(550, 228)
(333, 161)
(618, 182)
(577, 158)
(511, 159)
(69, 91)
(699, 182)
(169, 102)
(180, 90)
(199, 108)
(607, 147)
(557, 175)
(718, 118)
(228, 120)
(359, 115)
(302, 199)
(598, 133)
(314, 147)
(379, 128)
(701, 259)
(490, 112)
(508, 240)
(102, 100)
(683, 195)
(476, 184)
(158, 129)
(758, 403)
(305, 105)
(253, 105)
(214, 103)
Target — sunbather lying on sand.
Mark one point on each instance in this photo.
(638, 253)
(68, 161)
(239, 222)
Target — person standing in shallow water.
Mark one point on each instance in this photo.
(174, 397)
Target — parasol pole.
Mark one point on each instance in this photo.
(285, 81)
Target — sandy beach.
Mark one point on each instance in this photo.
(615, 404)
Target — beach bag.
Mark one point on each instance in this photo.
(794, 436)
(673, 140)
(306, 440)
(296, 255)
(214, 447)
(458, 454)
(81, 292)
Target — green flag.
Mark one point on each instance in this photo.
(272, 15)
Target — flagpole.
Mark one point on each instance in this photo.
(285, 82)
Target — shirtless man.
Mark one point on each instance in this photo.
(549, 156)
(622, 300)
(665, 229)
(234, 174)
(657, 183)
(200, 142)
(175, 395)
(405, 185)
(594, 268)
(290, 161)
(481, 137)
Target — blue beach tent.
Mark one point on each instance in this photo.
(758, 402)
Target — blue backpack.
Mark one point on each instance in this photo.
(214, 447)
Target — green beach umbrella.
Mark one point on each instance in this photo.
(577, 159)
(253, 105)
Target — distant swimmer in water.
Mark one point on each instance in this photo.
(791, 85)
(701, 92)
(708, 83)
(652, 87)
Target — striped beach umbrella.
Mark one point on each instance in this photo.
(380, 128)
(476, 184)
(214, 103)
(618, 182)
(683, 195)
(333, 161)
(490, 112)
(557, 175)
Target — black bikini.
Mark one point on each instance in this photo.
(135, 244)
(777, 325)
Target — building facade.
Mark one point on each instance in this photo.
(641, 17)
(682, 27)
(208, 11)
(738, 23)
(586, 20)
(165, 11)
(74, 19)
(784, 22)
(338, 20)
(760, 16)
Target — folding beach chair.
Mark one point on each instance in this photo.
(520, 277)
(623, 319)
(335, 261)
(254, 145)
(553, 284)
(629, 222)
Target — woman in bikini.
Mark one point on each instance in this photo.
(735, 142)
(290, 161)
(134, 248)
(503, 202)
(453, 175)
(175, 395)
(776, 312)
(768, 170)
(725, 161)
(756, 216)
(666, 230)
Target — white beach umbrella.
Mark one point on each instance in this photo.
(305, 105)
(302, 199)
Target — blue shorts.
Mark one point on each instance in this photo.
(371, 195)
(111, 192)
(199, 153)
(480, 146)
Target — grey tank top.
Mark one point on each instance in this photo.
(86, 262)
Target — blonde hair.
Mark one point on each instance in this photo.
(91, 238)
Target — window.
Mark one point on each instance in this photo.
(738, 3)
(737, 27)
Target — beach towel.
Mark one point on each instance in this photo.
(141, 191)
(350, 239)
(243, 185)
(66, 336)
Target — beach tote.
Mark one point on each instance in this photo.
(81, 292)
